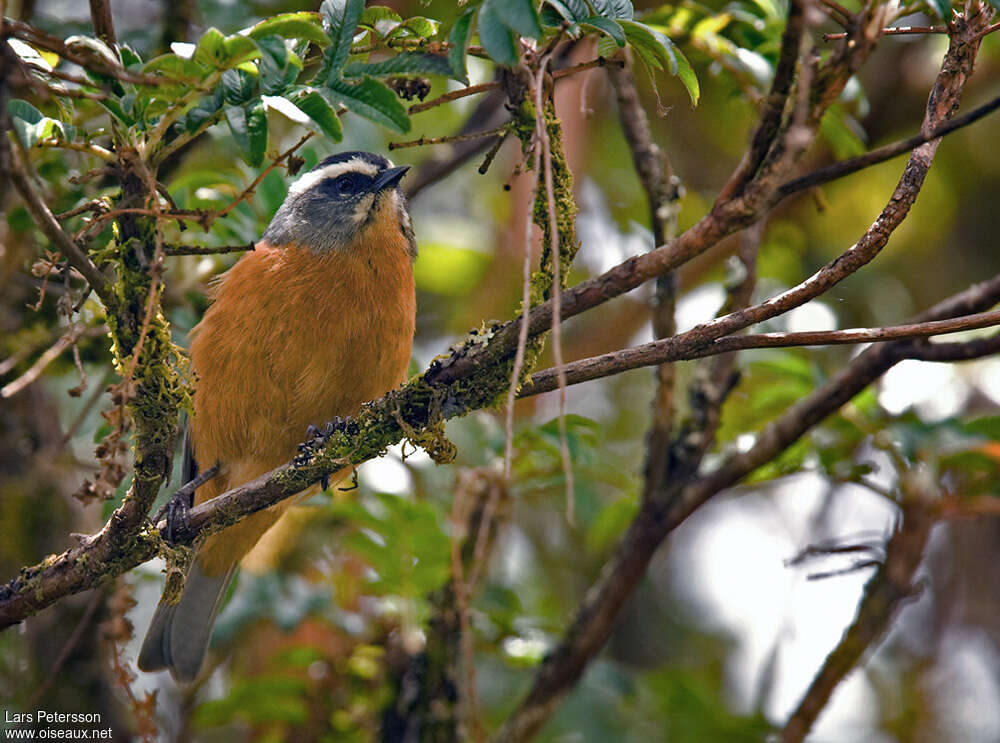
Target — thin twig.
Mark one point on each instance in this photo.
(449, 139)
(889, 151)
(251, 189)
(36, 369)
(453, 95)
(522, 339)
(50, 226)
(896, 31)
(668, 350)
(171, 250)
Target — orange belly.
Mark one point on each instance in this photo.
(293, 338)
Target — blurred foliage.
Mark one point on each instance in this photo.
(308, 651)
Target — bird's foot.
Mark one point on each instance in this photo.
(176, 510)
(316, 437)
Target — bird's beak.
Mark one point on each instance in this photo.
(389, 178)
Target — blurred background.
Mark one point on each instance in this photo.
(724, 636)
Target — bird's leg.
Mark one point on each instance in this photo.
(176, 508)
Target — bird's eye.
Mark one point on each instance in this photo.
(349, 184)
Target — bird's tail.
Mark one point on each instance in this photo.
(178, 636)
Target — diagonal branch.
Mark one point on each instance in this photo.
(47, 222)
(892, 585)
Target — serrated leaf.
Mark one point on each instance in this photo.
(458, 37)
(237, 87)
(315, 106)
(341, 18)
(301, 25)
(571, 10)
(615, 9)
(607, 26)
(496, 38)
(519, 16)
(404, 63)
(248, 124)
(371, 99)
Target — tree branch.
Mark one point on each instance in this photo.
(880, 155)
(104, 25)
(659, 352)
(889, 588)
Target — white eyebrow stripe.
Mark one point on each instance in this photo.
(355, 165)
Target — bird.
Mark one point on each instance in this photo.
(316, 320)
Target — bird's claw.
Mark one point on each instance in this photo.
(317, 437)
(176, 513)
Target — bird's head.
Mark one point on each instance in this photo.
(334, 204)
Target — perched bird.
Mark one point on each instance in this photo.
(318, 319)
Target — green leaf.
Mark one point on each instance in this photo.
(301, 25)
(237, 87)
(687, 77)
(130, 57)
(458, 37)
(644, 39)
(656, 50)
(572, 10)
(370, 99)
(24, 118)
(19, 109)
(211, 48)
(404, 63)
(618, 9)
(315, 106)
(341, 18)
(607, 26)
(206, 109)
(375, 14)
(114, 108)
(248, 125)
(240, 49)
(278, 66)
(418, 26)
(518, 15)
(173, 65)
(496, 38)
